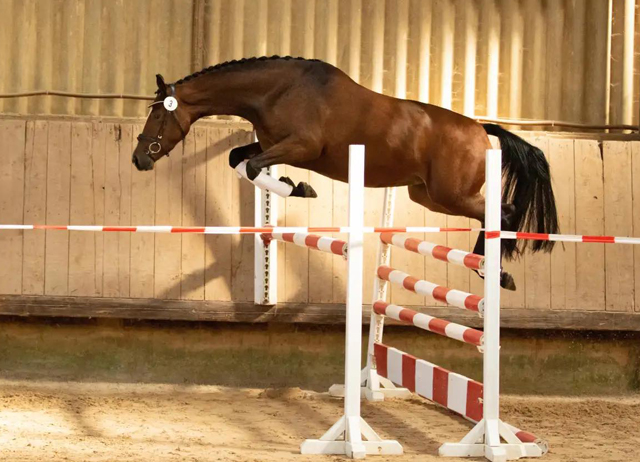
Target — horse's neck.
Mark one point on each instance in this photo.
(224, 93)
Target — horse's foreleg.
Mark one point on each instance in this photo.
(286, 152)
(237, 155)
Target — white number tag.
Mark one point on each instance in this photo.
(170, 103)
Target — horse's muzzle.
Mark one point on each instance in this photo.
(142, 161)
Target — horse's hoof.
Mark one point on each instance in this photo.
(506, 281)
(303, 190)
(287, 180)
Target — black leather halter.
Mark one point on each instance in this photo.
(154, 146)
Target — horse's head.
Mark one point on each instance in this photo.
(167, 124)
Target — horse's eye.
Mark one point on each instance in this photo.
(156, 116)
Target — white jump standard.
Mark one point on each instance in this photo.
(388, 367)
(346, 435)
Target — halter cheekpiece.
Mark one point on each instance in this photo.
(170, 104)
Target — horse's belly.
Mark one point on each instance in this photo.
(376, 175)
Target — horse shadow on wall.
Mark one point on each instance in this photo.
(227, 273)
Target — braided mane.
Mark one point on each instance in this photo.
(239, 62)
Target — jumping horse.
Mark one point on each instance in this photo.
(307, 112)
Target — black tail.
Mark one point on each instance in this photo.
(527, 185)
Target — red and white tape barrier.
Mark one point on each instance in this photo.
(563, 237)
(233, 229)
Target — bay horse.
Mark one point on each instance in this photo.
(306, 114)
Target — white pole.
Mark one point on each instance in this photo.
(265, 256)
(353, 342)
(379, 286)
(345, 436)
(491, 372)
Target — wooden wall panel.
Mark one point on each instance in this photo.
(193, 213)
(58, 191)
(12, 140)
(80, 172)
(320, 270)
(117, 209)
(143, 200)
(635, 175)
(618, 221)
(537, 267)
(168, 210)
(590, 277)
(563, 259)
(35, 202)
(242, 214)
(218, 206)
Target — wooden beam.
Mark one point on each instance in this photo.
(198, 35)
(187, 310)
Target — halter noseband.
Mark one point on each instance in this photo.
(154, 146)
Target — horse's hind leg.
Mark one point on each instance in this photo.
(472, 207)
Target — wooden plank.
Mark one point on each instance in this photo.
(58, 189)
(297, 271)
(82, 259)
(458, 277)
(35, 202)
(590, 277)
(373, 205)
(537, 277)
(187, 310)
(434, 270)
(321, 263)
(618, 221)
(99, 134)
(218, 210)
(193, 213)
(143, 199)
(340, 217)
(117, 246)
(12, 140)
(635, 174)
(563, 257)
(168, 247)
(242, 215)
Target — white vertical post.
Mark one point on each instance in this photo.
(380, 287)
(376, 388)
(353, 342)
(265, 265)
(345, 436)
(491, 369)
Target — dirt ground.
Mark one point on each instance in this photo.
(74, 421)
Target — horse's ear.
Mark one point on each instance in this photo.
(162, 87)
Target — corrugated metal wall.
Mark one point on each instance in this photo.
(571, 59)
